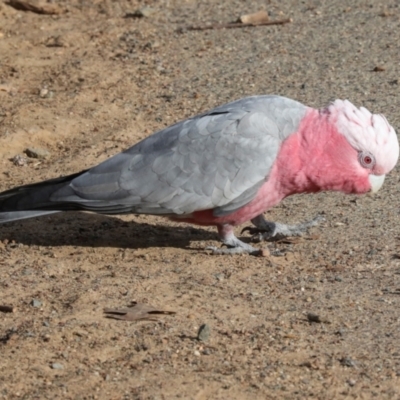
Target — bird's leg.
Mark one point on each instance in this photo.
(265, 230)
(234, 245)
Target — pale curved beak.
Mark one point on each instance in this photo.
(376, 182)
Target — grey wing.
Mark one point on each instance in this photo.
(217, 160)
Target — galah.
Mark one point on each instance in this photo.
(227, 166)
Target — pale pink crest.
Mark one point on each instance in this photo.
(367, 132)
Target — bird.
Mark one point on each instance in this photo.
(226, 167)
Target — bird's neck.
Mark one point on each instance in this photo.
(310, 159)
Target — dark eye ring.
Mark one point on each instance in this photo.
(367, 160)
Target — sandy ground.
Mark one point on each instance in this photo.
(92, 80)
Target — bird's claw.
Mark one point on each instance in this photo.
(270, 231)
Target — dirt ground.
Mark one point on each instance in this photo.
(93, 79)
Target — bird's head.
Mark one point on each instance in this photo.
(371, 140)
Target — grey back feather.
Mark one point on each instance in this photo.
(217, 160)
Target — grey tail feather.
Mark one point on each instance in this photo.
(34, 200)
(17, 215)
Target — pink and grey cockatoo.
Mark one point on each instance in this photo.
(227, 166)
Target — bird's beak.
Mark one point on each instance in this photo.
(376, 182)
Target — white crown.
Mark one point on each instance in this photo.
(367, 132)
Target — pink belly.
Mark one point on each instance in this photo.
(266, 198)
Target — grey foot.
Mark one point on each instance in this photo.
(234, 245)
(265, 230)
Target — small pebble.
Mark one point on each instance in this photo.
(57, 366)
(37, 153)
(36, 303)
(317, 318)
(19, 160)
(27, 271)
(144, 12)
(220, 277)
(347, 362)
(264, 253)
(46, 338)
(43, 92)
(313, 317)
(204, 333)
(46, 94)
(197, 353)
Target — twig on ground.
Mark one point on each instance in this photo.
(234, 25)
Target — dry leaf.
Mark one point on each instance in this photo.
(38, 7)
(256, 18)
(136, 312)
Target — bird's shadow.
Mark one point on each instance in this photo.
(94, 230)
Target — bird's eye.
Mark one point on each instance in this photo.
(367, 160)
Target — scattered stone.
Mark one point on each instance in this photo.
(46, 338)
(27, 271)
(311, 317)
(220, 277)
(340, 332)
(347, 362)
(36, 303)
(144, 12)
(204, 333)
(264, 253)
(57, 366)
(136, 312)
(38, 153)
(338, 278)
(19, 160)
(43, 92)
(46, 93)
(6, 309)
(339, 224)
(255, 18)
(55, 41)
(197, 353)
(351, 382)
